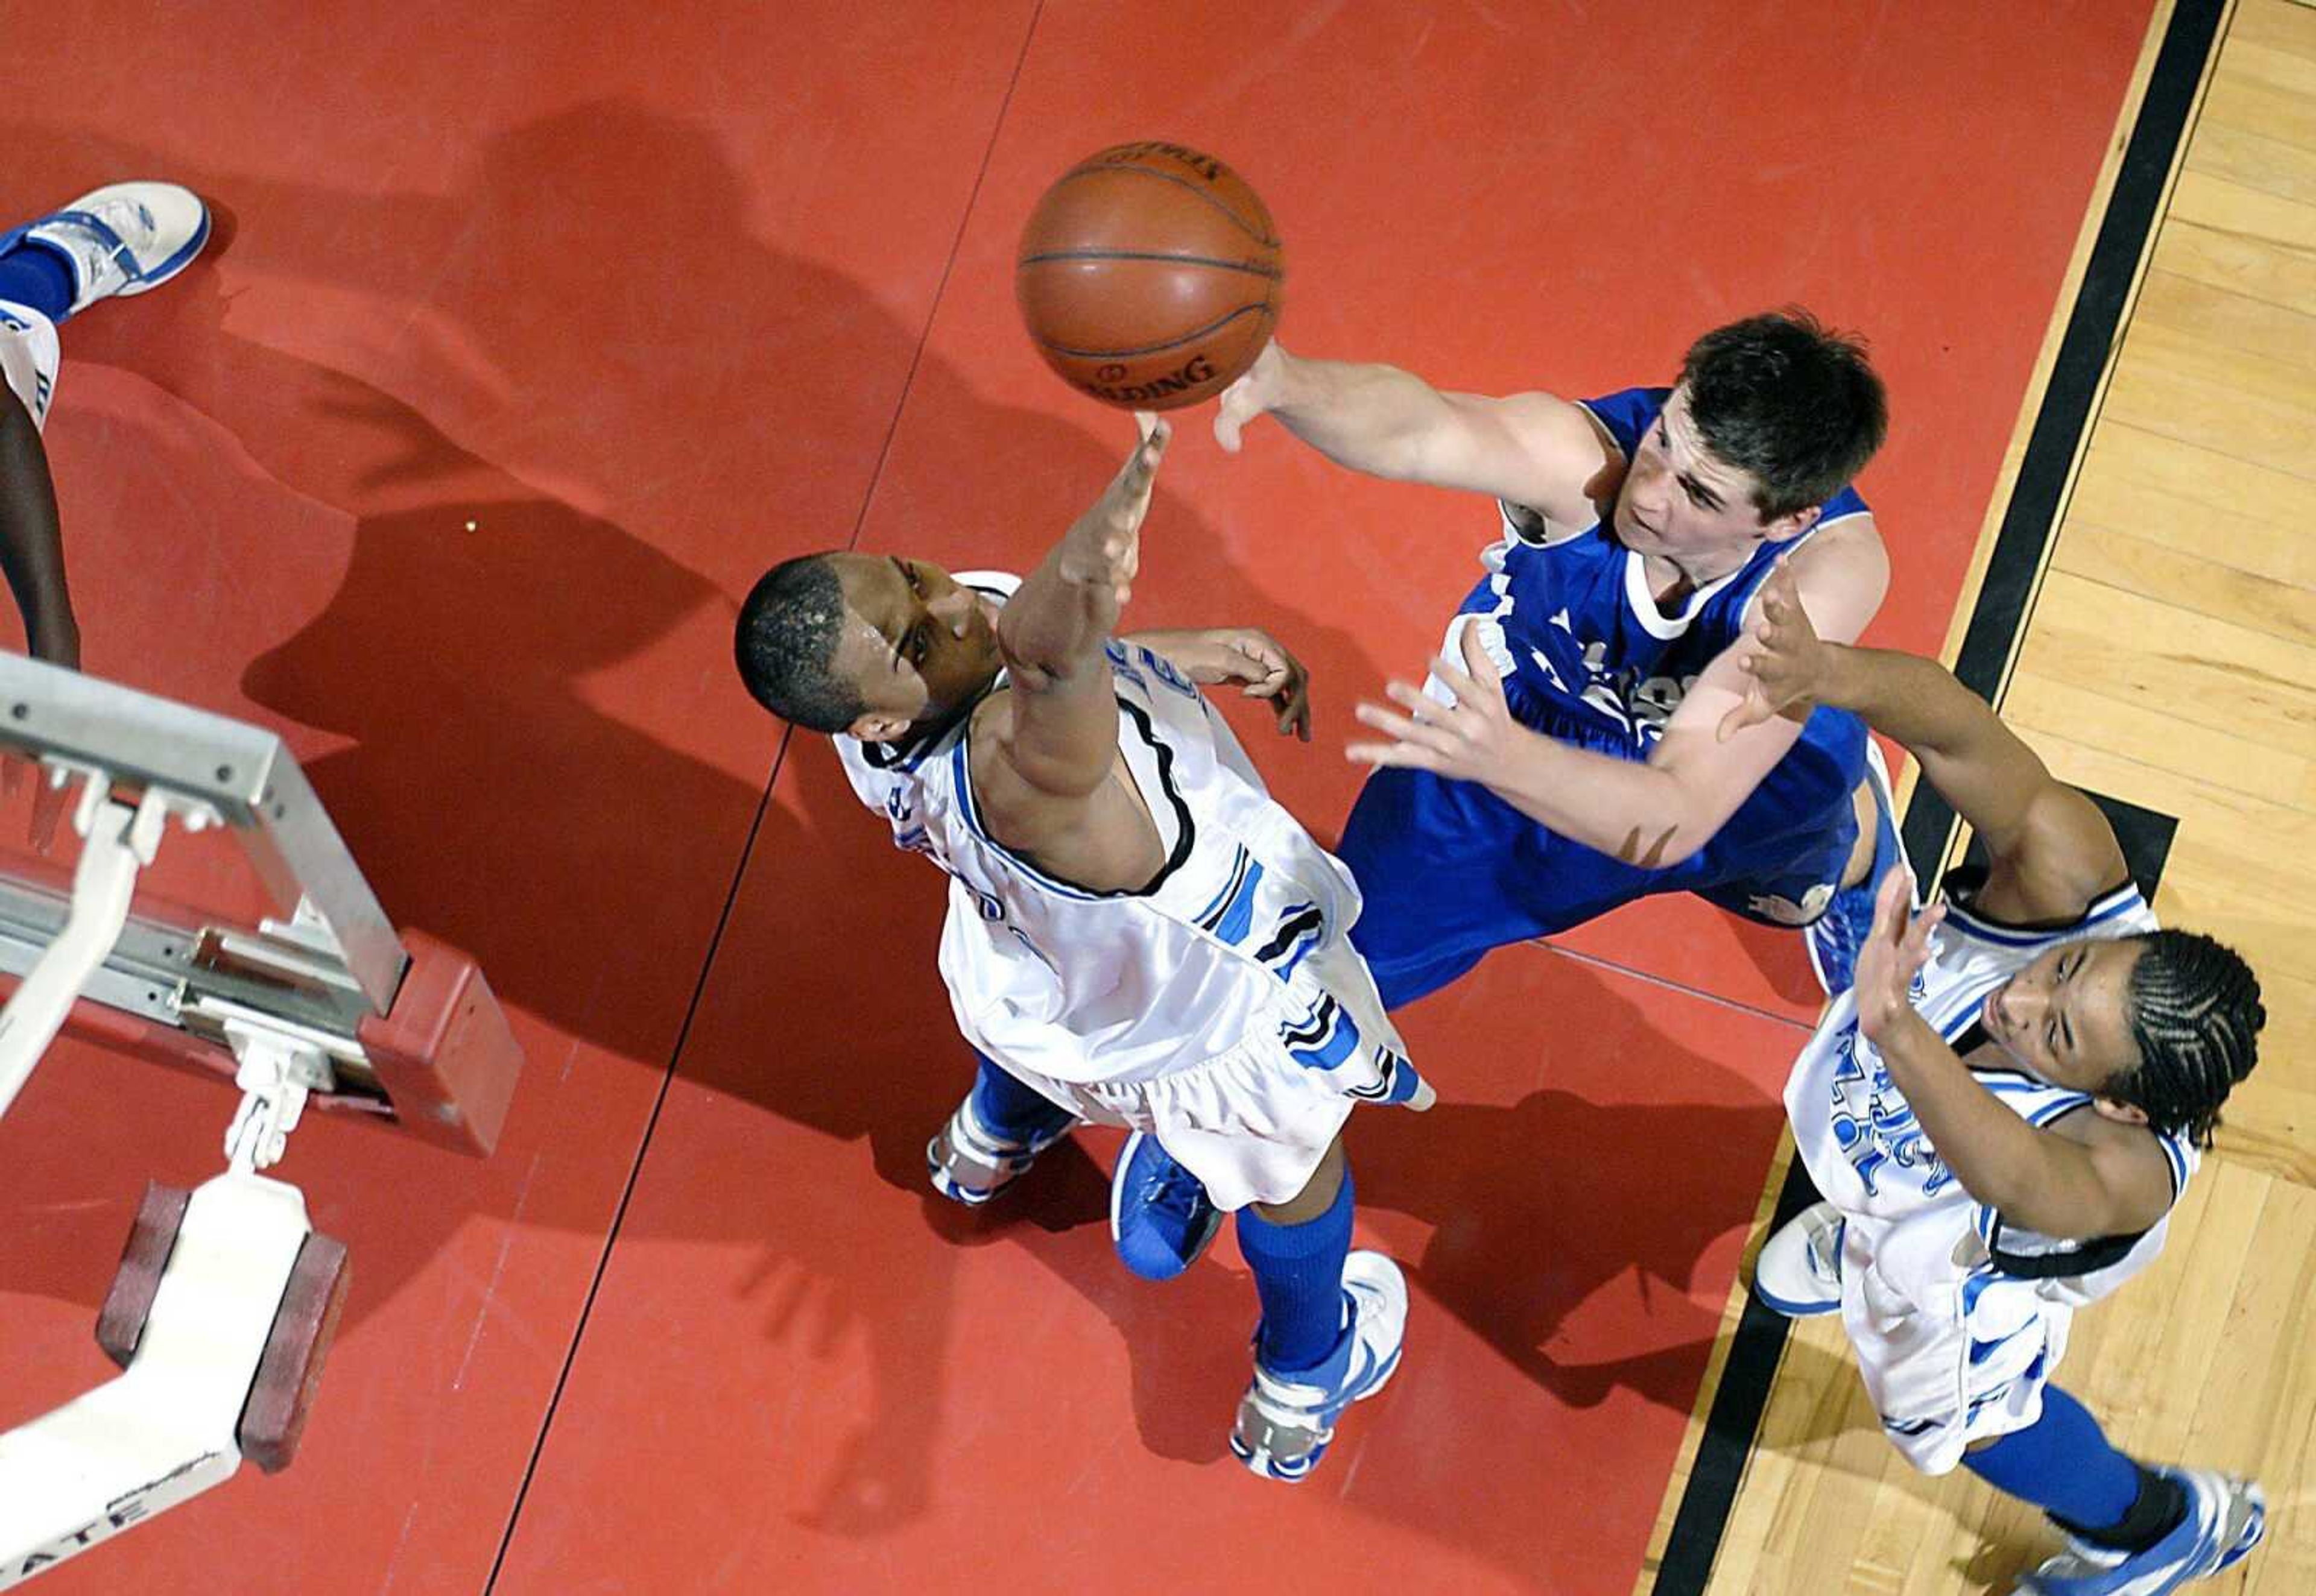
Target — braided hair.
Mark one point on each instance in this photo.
(784, 644)
(2194, 1011)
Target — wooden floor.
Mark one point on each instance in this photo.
(2170, 660)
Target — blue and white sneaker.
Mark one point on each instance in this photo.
(1799, 1270)
(1161, 1218)
(2226, 1518)
(123, 239)
(1834, 937)
(1285, 1420)
(970, 1163)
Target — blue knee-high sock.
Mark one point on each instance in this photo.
(2064, 1464)
(1011, 1110)
(1299, 1274)
(35, 273)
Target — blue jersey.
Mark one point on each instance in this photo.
(1589, 657)
(1593, 659)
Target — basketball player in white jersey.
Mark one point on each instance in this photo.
(1138, 935)
(120, 240)
(2001, 1114)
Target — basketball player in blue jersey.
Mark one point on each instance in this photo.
(120, 240)
(1566, 760)
(2002, 1113)
(1136, 935)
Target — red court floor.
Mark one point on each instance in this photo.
(654, 296)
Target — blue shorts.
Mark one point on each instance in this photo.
(1448, 870)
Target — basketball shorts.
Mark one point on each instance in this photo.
(1253, 1121)
(1952, 1352)
(29, 357)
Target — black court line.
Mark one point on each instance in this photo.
(1998, 621)
(747, 851)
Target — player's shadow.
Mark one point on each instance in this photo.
(560, 465)
(505, 787)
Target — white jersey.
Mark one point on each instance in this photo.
(1958, 1317)
(29, 357)
(1868, 1153)
(1242, 934)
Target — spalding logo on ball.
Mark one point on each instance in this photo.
(1150, 276)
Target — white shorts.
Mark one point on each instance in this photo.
(29, 357)
(1951, 1351)
(1252, 1122)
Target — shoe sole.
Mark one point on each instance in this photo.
(1795, 1311)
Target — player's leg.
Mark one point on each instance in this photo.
(1812, 845)
(994, 1137)
(123, 239)
(1834, 938)
(2130, 1528)
(1972, 1389)
(1438, 868)
(1332, 1323)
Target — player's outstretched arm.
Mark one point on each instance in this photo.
(2051, 851)
(2087, 1177)
(1652, 814)
(1527, 448)
(31, 545)
(1061, 738)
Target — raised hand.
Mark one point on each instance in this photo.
(1785, 661)
(1472, 739)
(1103, 547)
(1894, 954)
(1250, 397)
(1250, 655)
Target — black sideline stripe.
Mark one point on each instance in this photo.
(1997, 619)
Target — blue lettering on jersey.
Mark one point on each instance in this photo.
(1882, 1130)
(1132, 661)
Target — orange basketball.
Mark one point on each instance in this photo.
(1150, 276)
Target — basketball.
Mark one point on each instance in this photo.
(1150, 276)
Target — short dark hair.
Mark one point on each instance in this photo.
(2194, 1011)
(785, 643)
(1796, 406)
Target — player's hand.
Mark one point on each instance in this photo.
(1474, 738)
(1103, 548)
(1894, 953)
(1785, 661)
(1251, 396)
(1250, 655)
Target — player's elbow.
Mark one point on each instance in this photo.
(1671, 830)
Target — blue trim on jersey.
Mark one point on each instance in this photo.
(1981, 1351)
(961, 774)
(1328, 1036)
(1238, 862)
(1237, 918)
(2122, 900)
(1185, 838)
(1301, 927)
(2175, 1154)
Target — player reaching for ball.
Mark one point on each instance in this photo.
(1564, 758)
(2002, 1113)
(120, 240)
(1138, 935)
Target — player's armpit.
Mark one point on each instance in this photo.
(2099, 1176)
(1056, 737)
